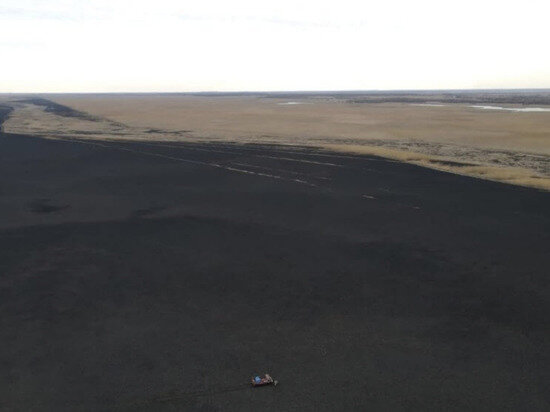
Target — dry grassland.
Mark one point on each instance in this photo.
(252, 117)
(506, 146)
(511, 175)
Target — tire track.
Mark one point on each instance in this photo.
(196, 162)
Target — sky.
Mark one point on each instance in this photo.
(255, 45)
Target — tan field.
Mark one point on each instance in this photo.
(512, 147)
(252, 117)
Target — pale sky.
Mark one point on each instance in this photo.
(255, 45)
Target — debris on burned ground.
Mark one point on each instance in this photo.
(265, 381)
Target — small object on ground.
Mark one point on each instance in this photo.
(266, 380)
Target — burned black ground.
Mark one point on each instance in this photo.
(162, 276)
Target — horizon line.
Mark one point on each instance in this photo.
(313, 91)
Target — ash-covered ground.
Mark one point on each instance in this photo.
(162, 276)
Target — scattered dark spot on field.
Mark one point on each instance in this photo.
(451, 163)
(45, 206)
(4, 114)
(161, 131)
(59, 109)
(148, 211)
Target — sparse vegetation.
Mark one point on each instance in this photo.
(511, 175)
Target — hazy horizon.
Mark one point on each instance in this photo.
(297, 92)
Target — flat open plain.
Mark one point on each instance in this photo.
(162, 275)
(497, 136)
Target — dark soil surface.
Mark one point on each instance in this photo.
(158, 276)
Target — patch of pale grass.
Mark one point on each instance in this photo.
(511, 175)
(386, 152)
